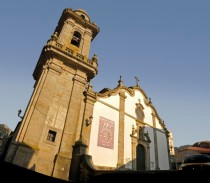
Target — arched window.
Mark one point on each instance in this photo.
(76, 39)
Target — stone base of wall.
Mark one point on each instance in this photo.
(14, 173)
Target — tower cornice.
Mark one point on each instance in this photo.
(68, 56)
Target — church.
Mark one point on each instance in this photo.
(68, 130)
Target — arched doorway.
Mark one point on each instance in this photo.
(140, 157)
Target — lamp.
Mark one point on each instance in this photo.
(89, 120)
(19, 112)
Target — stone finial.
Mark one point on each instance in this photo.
(89, 87)
(150, 101)
(95, 58)
(120, 81)
(54, 37)
(134, 131)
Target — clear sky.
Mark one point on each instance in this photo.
(165, 43)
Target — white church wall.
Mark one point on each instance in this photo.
(130, 103)
(148, 116)
(130, 106)
(104, 154)
(151, 145)
(106, 110)
(162, 151)
(158, 125)
(113, 101)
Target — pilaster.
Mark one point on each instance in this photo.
(64, 156)
(134, 143)
(155, 143)
(90, 99)
(121, 131)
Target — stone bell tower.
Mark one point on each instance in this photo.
(52, 121)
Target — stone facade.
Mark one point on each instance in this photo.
(51, 123)
(127, 128)
(67, 128)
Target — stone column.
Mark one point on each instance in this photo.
(148, 157)
(155, 143)
(90, 99)
(64, 34)
(86, 43)
(168, 147)
(133, 146)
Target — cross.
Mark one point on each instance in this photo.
(137, 80)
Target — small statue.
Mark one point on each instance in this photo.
(95, 58)
(147, 136)
(133, 130)
(141, 132)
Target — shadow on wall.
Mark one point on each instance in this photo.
(14, 173)
(9, 148)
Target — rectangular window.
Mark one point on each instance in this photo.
(51, 136)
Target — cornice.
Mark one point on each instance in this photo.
(139, 89)
(90, 97)
(54, 49)
(79, 80)
(155, 114)
(106, 92)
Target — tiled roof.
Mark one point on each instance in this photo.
(198, 149)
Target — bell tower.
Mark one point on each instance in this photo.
(53, 118)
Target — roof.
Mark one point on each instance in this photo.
(201, 147)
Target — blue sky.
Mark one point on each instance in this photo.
(165, 43)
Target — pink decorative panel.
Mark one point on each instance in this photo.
(106, 133)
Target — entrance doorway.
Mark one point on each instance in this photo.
(140, 157)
